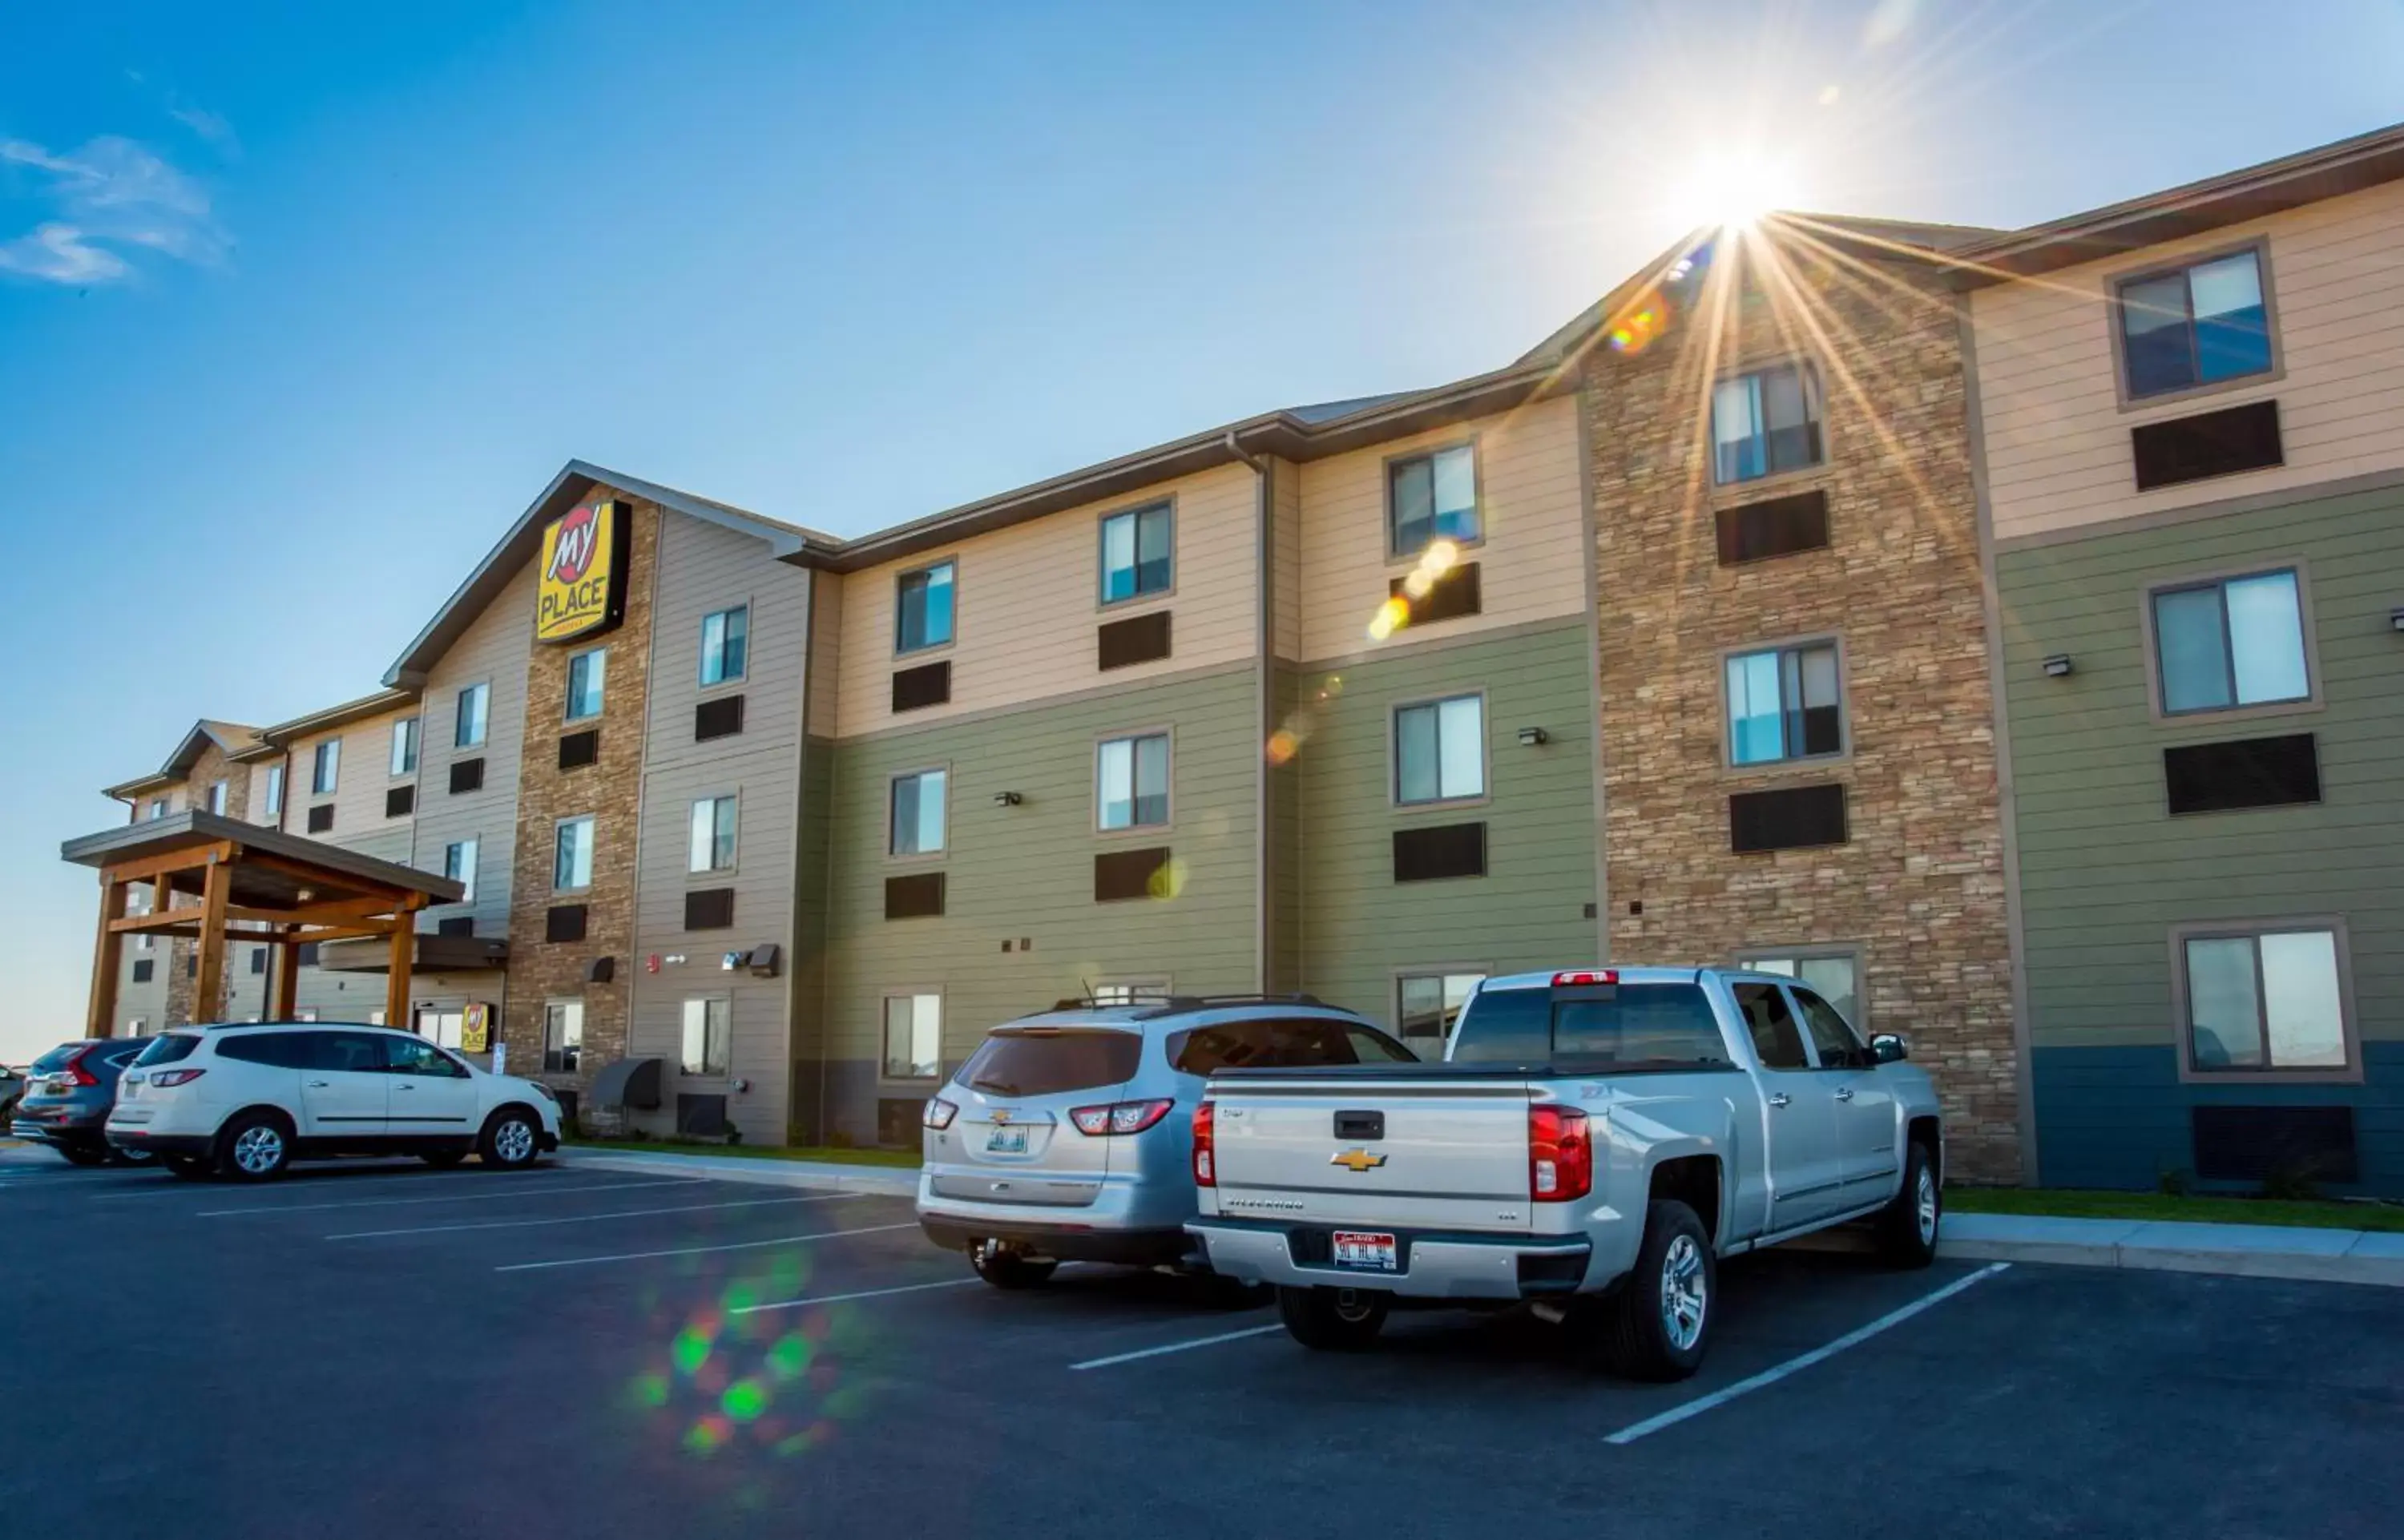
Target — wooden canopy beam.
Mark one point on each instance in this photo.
(286, 999)
(106, 954)
(395, 984)
(171, 863)
(208, 990)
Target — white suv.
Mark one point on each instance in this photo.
(248, 1101)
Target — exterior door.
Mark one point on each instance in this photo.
(342, 1086)
(1806, 1176)
(1866, 1137)
(433, 1095)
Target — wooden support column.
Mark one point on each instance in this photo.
(208, 988)
(107, 953)
(288, 979)
(396, 988)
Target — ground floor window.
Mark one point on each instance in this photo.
(563, 1035)
(1428, 1005)
(707, 1025)
(2267, 999)
(1835, 972)
(440, 1025)
(913, 1037)
(1127, 991)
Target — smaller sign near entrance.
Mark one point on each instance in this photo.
(476, 1030)
(583, 586)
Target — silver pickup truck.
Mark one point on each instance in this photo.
(1594, 1141)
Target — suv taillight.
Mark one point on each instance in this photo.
(76, 1073)
(1560, 1157)
(939, 1113)
(175, 1077)
(1205, 1172)
(1119, 1118)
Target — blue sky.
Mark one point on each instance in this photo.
(300, 305)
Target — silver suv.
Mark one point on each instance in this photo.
(1066, 1135)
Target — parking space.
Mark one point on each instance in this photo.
(379, 1348)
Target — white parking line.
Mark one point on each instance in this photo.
(697, 1251)
(1175, 1347)
(520, 1191)
(1701, 1404)
(856, 1293)
(588, 1219)
(311, 1179)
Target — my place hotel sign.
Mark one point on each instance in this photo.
(584, 590)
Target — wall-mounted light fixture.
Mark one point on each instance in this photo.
(1533, 737)
(2057, 666)
(1007, 799)
(2396, 619)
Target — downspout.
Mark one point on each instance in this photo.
(1265, 706)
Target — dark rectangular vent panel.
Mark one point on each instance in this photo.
(259, 960)
(1455, 594)
(308, 954)
(721, 718)
(917, 896)
(143, 969)
(563, 922)
(1794, 818)
(321, 818)
(578, 749)
(2217, 777)
(466, 775)
(1442, 850)
(1138, 638)
(1120, 875)
(897, 1122)
(709, 909)
(2211, 443)
(701, 1116)
(1779, 526)
(399, 801)
(928, 685)
(457, 925)
(2256, 1143)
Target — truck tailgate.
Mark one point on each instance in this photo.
(1444, 1154)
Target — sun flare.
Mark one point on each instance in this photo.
(1733, 190)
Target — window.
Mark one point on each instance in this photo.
(1621, 1028)
(2197, 326)
(1440, 751)
(913, 1037)
(1046, 1062)
(1432, 498)
(571, 861)
(586, 672)
(712, 845)
(259, 960)
(1835, 975)
(306, 1012)
(1133, 781)
(2268, 1000)
(217, 797)
(922, 616)
(1777, 1041)
(563, 1035)
(459, 865)
(1833, 1037)
(725, 644)
(1432, 1002)
(1135, 554)
(273, 812)
(706, 1036)
(410, 1055)
(475, 709)
(136, 1026)
(1784, 703)
(1126, 992)
(2232, 642)
(1765, 422)
(159, 807)
(916, 815)
(1297, 1043)
(404, 748)
(327, 767)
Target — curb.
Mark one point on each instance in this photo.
(882, 1182)
(2240, 1250)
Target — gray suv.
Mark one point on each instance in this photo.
(1066, 1135)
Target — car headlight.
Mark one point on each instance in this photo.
(545, 1091)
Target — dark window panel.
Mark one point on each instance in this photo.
(321, 818)
(928, 685)
(2211, 443)
(2218, 778)
(1122, 874)
(459, 925)
(1442, 850)
(399, 801)
(466, 775)
(1790, 819)
(578, 749)
(719, 718)
(1779, 526)
(917, 896)
(709, 909)
(563, 922)
(143, 969)
(2254, 1144)
(1138, 638)
(1455, 594)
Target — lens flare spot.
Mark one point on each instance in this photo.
(1282, 746)
(744, 1400)
(1439, 558)
(1415, 586)
(709, 1435)
(690, 1351)
(1169, 879)
(741, 1297)
(790, 1359)
(1389, 617)
(651, 1390)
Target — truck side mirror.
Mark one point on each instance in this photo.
(1889, 1047)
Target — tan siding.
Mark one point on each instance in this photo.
(257, 804)
(1285, 557)
(1028, 605)
(823, 691)
(494, 647)
(361, 781)
(2056, 441)
(1527, 484)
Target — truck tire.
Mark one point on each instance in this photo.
(1659, 1326)
(1907, 1229)
(1333, 1320)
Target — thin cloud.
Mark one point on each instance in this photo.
(211, 127)
(61, 254)
(109, 193)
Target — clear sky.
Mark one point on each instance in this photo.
(300, 305)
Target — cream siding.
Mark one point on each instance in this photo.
(494, 648)
(361, 781)
(1285, 557)
(258, 771)
(2056, 440)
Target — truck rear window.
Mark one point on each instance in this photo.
(1048, 1060)
(1593, 1029)
(1300, 1044)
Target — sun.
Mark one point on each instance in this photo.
(1733, 190)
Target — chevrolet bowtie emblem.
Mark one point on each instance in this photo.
(1001, 1115)
(1356, 1160)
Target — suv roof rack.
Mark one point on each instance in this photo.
(1169, 1005)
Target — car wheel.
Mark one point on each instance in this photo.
(444, 1159)
(80, 1155)
(190, 1167)
(1334, 1320)
(511, 1139)
(1659, 1326)
(256, 1147)
(1907, 1229)
(1004, 1268)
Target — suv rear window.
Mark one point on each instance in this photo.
(169, 1048)
(1307, 1043)
(1048, 1060)
(1593, 1029)
(276, 1050)
(59, 1057)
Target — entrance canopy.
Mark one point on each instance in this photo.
(216, 880)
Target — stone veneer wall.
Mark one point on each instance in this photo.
(1918, 886)
(611, 792)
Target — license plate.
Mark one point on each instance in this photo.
(1366, 1251)
(1007, 1142)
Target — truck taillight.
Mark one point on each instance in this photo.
(1205, 1171)
(175, 1077)
(1560, 1157)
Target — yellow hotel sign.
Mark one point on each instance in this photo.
(584, 585)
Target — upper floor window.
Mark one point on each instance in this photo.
(327, 768)
(922, 614)
(475, 709)
(1765, 422)
(1440, 751)
(2230, 642)
(725, 644)
(1783, 703)
(2195, 326)
(459, 865)
(585, 675)
(1432, 498)
(1133, 781)
(274, 811)
(917, 814)
(159, 807)
(2268, 999)
(1136, 547)
(711, 846)
(571, 861)
(217, 797)
(404, 746)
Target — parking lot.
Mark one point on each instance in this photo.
(382, 1349)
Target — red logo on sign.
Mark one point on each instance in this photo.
(580, 537)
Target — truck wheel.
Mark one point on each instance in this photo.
(1906, 1230)
(1660, 1325)
(1007, 1269)
(1333, 1320)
